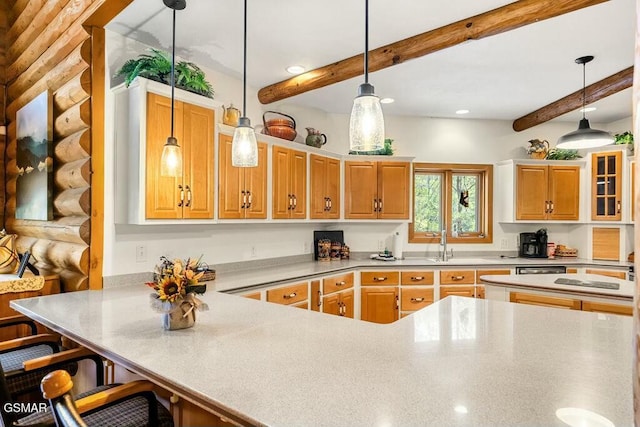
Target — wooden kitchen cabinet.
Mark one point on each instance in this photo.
(242, 192)
(416, 278)
(189, 195)
(376, 278)
(544, 300)
(606, 186)
(547, 192)
(610, 273)
(457, 277)
(325, 187)
(339, 303)
(415, 298)
(289, 181)
(379, 304)
(460, 291)
(609, 308)
(377, 190)
(289, 294)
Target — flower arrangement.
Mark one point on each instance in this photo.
(175, 285)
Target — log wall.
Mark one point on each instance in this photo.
(47, 46)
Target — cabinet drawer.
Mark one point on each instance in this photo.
(480, 273)
(289, 294)
(460, 291)
(604, 307)
(457, 277)
(254, 295)
(415, 298)
(617, 274)
(337, 283)
(379, 278)
(480, 292)
(546, 301)
(416, 277)
(303, 304)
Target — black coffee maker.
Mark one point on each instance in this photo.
(534, 245)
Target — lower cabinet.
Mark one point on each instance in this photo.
(379, 304)
(289, 294)
(544, 300)
(339, 304)
(413, 299)
(460, 291)
(606, 307)
(610, 273)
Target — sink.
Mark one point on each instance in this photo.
(452, 261)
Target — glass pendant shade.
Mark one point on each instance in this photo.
(244, 146)
(171, 160)
(585, 137)
(366, 127)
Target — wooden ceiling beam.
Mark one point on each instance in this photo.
(594, 92)
(496, 21)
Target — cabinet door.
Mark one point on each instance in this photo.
(346, 298)
(546, 301)
(416, 298)
(531, 192)
(393, 190)
(360, 192)
(162, 199)
(298, 184)
(331, 304)
(564, 192)
(606, 186)
(379, 304)
(255, 186)
(603, 307)
(282, 200)
(333, 188)
(460, 291)
(198, 161)
(318, 178)
(230, 182)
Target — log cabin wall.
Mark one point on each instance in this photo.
(48, 48)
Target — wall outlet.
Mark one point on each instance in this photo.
(504, 243)
(141, 253)
(254, 252)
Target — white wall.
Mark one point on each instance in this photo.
(427, 139)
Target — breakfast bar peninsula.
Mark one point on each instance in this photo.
(460, 361)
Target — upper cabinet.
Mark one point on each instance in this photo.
(289, 183)
(377, 190)
(324, 176)
(547, 192)
(242, 192)
(606, 186)
(142, 125)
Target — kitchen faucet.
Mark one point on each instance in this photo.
(443, 243)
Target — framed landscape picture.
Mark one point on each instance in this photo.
(34, 184)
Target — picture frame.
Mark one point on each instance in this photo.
(34, 159)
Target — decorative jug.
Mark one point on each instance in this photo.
(231, 115)
(538, 149)
(315, 138)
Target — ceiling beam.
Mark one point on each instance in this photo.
(496, 21)
(594, 92)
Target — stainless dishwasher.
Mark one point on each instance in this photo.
(542, 269)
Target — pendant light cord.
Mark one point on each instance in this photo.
(173, 69)
(584, 88)
(244, 67)
(366, 41)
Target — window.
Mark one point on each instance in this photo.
(453, 197)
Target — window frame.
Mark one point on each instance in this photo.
(485, 201)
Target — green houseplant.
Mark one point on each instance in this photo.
(157, 66)
(562, 154)
(387, 150)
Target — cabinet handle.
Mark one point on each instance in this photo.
(397, 303)
(250, 199)
(295, 202)
(342, 283)
(289, 296)
(330, 203)
(417, 300)
(550, 206)
(188, 196)
(379, 205)
(546, 206)
(244, 200)
(380, 279)
(290, 201)
(457, 277)
(619, 206)
(326, 204)
(319, 298)
(181, 203)
(416, 278)
(375, 205)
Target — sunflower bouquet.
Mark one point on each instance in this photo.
(175, 285)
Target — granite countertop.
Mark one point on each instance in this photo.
(460, 361)
(236, 281)
(548, 282)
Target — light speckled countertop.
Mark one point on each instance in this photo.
(236, 281)
(503, 364)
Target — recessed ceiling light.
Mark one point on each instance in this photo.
(295, 69)
(461, 409)
(462, 112)
(387, 100)
(587, 109)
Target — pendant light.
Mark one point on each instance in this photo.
(244, 147)
(366, 127)
(171, 160)
(584, 136)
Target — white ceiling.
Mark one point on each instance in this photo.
(500, 77)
